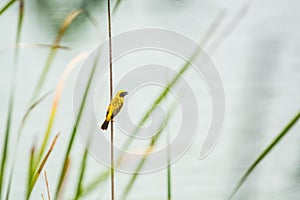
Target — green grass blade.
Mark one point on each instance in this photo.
(30, 172)
(93, 185)
(151, 145)
(169, 182)
(264, 153)
(138, 168)
(82, 172)
(20, 21)
(77, 122)
(6, 139)
(117, 4)
(6, 6)
(64, 177)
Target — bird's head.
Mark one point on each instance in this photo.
(122, 93)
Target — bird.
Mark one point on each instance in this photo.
(114, 108)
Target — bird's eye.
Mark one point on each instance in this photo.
(123, 94)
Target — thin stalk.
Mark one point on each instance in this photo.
(47, 185)
(169, 189)
(111, 96)
(264, 153)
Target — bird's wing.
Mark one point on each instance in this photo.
(109, 113)
(117, 110)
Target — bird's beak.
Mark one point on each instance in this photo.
(125, 93)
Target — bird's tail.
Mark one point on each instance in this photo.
(105, 125)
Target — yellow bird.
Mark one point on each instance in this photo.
(114, 108)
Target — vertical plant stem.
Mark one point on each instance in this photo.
(111, 96)
(169, 166)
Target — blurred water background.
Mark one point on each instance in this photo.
(259, 65)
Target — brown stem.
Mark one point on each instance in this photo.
(111, 96)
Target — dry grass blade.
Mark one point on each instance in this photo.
(47, 185)
(41, 166)
(51, 55)
(32, 45)
(69, 19)
(42, 197)
(57, 95)
(264, 153)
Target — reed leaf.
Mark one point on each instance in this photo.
(95, 183)
(65, 172)
(41, 166)
(6, 6)
(149, 150)
(82, 171)
(117, 4)
(264, 153)
(30, 172)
